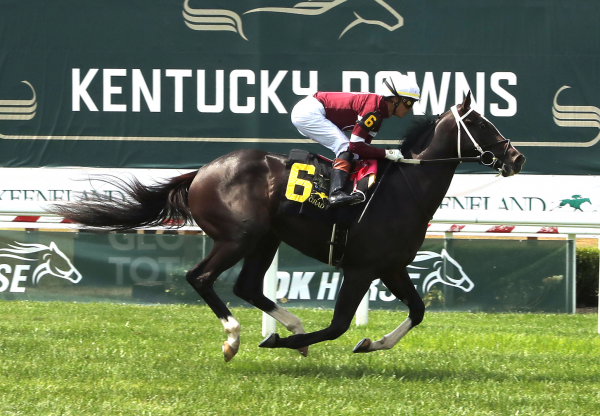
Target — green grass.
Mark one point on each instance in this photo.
(109, 359)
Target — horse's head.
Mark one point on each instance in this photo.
(56, 263)
(431, 263)
(477, 136)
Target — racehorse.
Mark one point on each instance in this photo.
(235, 199)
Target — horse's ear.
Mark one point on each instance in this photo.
(466, 105)
(53, 246)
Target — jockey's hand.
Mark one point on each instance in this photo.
(394, 155)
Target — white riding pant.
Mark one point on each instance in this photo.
(309, 118)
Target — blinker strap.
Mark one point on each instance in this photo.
(459, 122)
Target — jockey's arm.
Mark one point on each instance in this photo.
(364, 150)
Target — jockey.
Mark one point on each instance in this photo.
(323, 116)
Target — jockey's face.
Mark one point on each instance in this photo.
(401, 110)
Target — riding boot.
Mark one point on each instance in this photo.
(337, 197)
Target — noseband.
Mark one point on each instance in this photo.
(487, 157)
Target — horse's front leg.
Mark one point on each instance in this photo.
(400, 285)
(351, 293)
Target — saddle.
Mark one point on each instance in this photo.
(306, 193)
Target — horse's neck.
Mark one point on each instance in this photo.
(433, 180)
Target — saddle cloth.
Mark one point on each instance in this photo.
(307, 187)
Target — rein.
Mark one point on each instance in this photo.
(485, 157)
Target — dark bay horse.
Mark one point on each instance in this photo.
(234, 199)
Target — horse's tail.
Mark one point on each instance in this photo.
(160, 204)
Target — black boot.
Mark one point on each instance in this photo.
(337, 197)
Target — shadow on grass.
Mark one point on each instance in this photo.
(417, 373)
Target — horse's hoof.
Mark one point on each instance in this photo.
(270, 341)
(303, 351)
(228, 352)
(363, 345)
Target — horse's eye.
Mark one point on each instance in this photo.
(482, 126)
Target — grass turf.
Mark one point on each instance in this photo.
(110, 359)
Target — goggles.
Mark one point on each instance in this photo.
(408, 102)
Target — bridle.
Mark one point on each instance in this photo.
(486, 158)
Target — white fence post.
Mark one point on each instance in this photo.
(270, 291)
(362, 313)
(571, 273)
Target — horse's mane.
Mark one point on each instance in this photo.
(420, 127)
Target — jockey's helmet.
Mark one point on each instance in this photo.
(399, 85)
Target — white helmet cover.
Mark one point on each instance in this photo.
(399, 86)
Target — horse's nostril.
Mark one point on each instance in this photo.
(519, 160)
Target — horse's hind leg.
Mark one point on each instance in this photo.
(224, 254)
(400, 285)
(351, 293)
(249, 285)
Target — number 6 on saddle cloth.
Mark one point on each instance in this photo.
(307, 193)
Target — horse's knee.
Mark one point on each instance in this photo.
(202, 283)
(416, 312)
(192, 277)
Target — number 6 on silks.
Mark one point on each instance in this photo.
(290, 192)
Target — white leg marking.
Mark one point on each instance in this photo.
(232, 329)
(287, 319)
(391, 339)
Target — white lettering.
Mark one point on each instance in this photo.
(143, 244)
(139, 86)
(119, 262)
(313, 83)
(178, 75)
(233, 91)
(348, 76)
(283, 284)
(137, 263)
(461, 88)
(268, 91)
(219, 92)
(326, 285)
(80, 89)
(169, 263)
(18, 277)
(373, 290)
(495, 109)
(110, 90)
(127, 244)
(429, 94)
(299, 287)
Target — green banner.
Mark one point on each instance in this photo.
(179, 83)
(474, 275)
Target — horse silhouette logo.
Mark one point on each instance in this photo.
(575, 202)
(428, 266)
(228, 20)
(54, 261)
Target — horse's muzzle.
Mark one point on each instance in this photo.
(514, 165)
